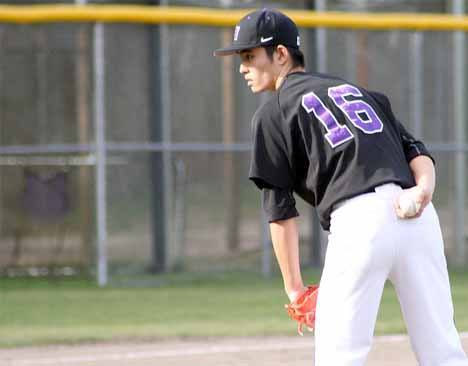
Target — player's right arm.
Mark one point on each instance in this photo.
(421, 164)
(418, 157)
(412, 147)
(424, 174)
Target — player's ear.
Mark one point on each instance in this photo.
(282, 54)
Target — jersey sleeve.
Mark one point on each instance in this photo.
(279, 204)
(269, 165)
(411, 146)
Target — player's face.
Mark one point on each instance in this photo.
(258, 69)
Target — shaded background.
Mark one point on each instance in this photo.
(186, 206)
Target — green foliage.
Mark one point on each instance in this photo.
(41, 311)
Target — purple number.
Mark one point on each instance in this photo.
(361, 114)
(336, 133)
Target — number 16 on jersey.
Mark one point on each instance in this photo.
(361, 114)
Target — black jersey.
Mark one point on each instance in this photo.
(329, 140)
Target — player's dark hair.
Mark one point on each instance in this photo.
(296, 54)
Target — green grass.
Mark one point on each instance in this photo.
(40, 311)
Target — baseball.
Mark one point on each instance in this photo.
(408, 206)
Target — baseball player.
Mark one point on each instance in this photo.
(340, 148)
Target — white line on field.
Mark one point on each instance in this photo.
(194, 351)
(187, 352)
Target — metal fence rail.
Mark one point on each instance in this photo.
(222, 17)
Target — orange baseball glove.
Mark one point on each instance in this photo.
(302, 309)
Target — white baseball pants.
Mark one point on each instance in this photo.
(368, 244)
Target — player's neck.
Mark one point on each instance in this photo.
(284, 74)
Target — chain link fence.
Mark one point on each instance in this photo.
(177, 140)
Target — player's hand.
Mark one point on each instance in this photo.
(294, 294)
(302, 308)
(417, 194)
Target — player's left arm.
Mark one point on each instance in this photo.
(303, 300)
(285, 239)
(280, 210)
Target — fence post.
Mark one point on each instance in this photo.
(417, 68)
(459, 95)
(100, 126)
(266, 246)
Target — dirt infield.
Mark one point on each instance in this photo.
(274, 351)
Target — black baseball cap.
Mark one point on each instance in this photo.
(263, 27)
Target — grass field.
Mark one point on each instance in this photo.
(41, 311)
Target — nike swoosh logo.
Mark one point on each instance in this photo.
(263, 40)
